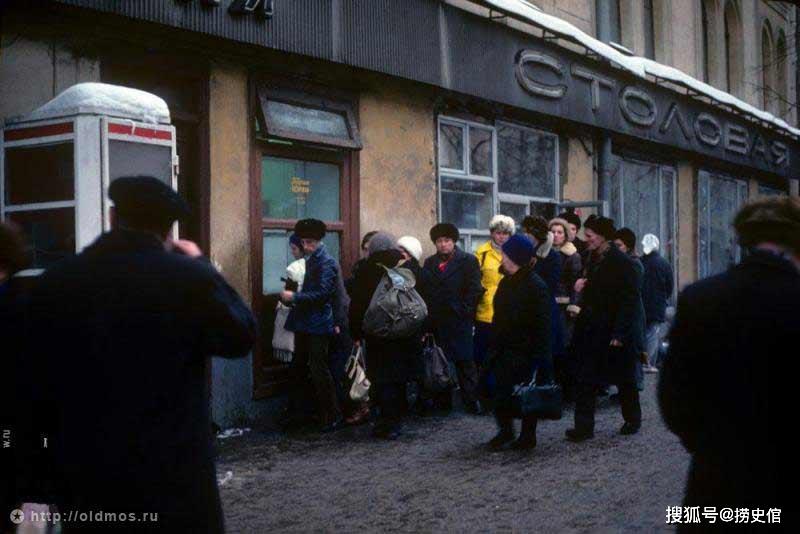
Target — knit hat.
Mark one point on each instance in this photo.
(572, 218)
(627, 236)
(519, 249)
(411, 245)
(444, 230)
(310, 229)
(380, 242)
(774, 220)
(558, 221)
(537, 226)
(502, 223)
(601, 225)
(294, 239)
(649, 243)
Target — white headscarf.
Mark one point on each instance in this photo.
(649, 243)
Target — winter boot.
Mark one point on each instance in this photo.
(505, 434)
(527, 437)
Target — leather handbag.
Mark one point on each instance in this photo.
(436, 373)
(544, 401)
(357, 376)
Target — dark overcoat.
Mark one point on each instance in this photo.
(522, 327)
(610, 309)
(452, 298)
(387, 361)
(120, 337)
(723, 386)
(549, 269)
(657, 287)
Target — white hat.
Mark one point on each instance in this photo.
(411, 245)
(649, 243)
(502, 223)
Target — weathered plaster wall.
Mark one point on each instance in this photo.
(687, 225)
(577, 180)
(232, 380)
(398, 177)
(33, 71)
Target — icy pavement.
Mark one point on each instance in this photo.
(439, 477)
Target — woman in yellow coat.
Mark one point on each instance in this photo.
(490, 257)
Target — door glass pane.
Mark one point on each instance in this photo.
(309, 121)
(703, 227)
(724, 198)
(466, 203)
(50, 233)
(276, 255)
(131, 159)
(451, 147)
(526, 162)
(480, 151)
(296, 189)
(668, 215)
(39, 174)
(515, 211)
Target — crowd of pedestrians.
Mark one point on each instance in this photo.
(534, 307)
(532, 304)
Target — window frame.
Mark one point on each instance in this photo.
(470, 234)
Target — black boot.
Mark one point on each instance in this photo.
(527, 438)
(505, 434)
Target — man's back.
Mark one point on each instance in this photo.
(120, 335)
(720, 388)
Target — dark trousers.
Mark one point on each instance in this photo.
(390, 398)
(482, 341)
(311, 355)
(585, 406)
(467, 380)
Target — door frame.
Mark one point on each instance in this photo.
(270, 380)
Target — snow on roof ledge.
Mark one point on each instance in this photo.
(641, 67)
(103, 99)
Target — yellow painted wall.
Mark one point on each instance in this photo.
(687, 226)
(230, 175)
(398, 172)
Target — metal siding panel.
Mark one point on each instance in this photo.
(399, 38)
(299, 26)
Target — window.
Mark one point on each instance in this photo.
(719, 197)
(39, 195)
(781, 89)
(643, 199)
(734, 53)
(649, 30)
(289, 114)
(706, 37)
(607, 16)
(767, 69)
(484, 170)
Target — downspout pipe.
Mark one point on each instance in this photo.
(604, 156)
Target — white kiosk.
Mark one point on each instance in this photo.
(57, 162)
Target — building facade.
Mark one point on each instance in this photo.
(395, 115)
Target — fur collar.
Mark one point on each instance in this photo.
(544, 248)
(568, 249)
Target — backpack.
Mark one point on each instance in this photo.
(396, 310)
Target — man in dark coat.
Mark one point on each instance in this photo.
(722, 387)
(656, 291)
(451, 287)
(625, 241)
(605, 339)
(312, 321)
(522, 323)
(120, 336)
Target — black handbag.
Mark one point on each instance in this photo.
(436, 373)
(544, 401)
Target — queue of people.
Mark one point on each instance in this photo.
(527, 301)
